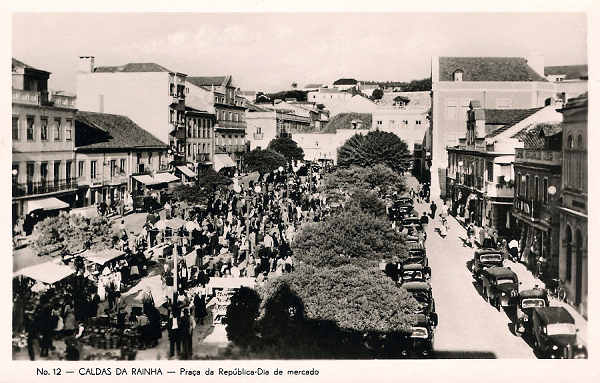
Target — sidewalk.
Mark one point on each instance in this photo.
(529, 281)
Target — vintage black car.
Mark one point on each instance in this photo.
(500, 286)
(405, 201)
(413, 224)
(419, 343)
(529, 300)
(416, 254)
(482, 259)
(400, 210)
(421, 291)
(555, 335)
(414, 272)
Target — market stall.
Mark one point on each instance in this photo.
(104, 268)
(47, 272)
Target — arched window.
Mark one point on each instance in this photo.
(570, 142)
(569, 258)
(458, 75)
(580, 142)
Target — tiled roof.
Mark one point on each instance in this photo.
(207, 80)
(345, 81)
(531, 137)
(194, 110)
(577, 102)
(16, 62)
(132, 67)
(344, 121)
(111, 131)
(488, 69)
(505, 117)
(573, 72)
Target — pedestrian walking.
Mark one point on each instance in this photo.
(174, 333)
(513, 250)
(433, 208)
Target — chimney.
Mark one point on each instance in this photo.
(86, 64)
(536, 61)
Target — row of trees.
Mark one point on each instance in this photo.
(336, 303)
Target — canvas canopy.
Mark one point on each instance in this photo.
(159, 178)
(187, 171)
(47, 272)
(223, 161)
(103, 256)
(229, 283)
(50, 203)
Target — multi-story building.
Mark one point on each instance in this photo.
(110, 151)
(219, 94)
(537, 172)
(266, 123)
(148, 93)
(409, 124)
(199, 138)
(570, 80)
(43, 139)
(497, 82)
(573, 264)
(480, 179)
(345, 84)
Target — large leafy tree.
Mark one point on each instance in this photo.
(378, 178)
(73, 233)
(354, 298)
(263, 161)
(288, 148)
(192, 194)
(212, 180)
(368, 202)
(352, 237)
(373, 148)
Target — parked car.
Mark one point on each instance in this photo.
(500, 286)
(405, 201)
(421, 291)
(417, 254)
(529, 300)
(555, 335)
(420, 342)
(482, 259)
(415, 272)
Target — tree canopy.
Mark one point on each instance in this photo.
(73, 233)
(368, 202)
(212, 180)
(354, 298)
(241, 316)
(376, 178)
(373, 148)
(287, 148)
(263, 161)
(352, 237)
(377, 94)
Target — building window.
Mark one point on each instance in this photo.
(570, 142)
(68, 166)
(44, 129)
(527, 187)
(43, 172)
(15, 128)
(189, 149)
(56, 171)
(93, 165)
(30, 128)
(490, 171)
(418, 122)
(113, 168)
(69, 130)
(81, 168)
(545, 191)
(379, 122)
(405, 122)
(537, 189)
(57, 129)
(122, 166)
(569, 257)
(171, 116)
(458, 75)
(580, 142)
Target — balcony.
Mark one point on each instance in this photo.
(538, 156)
(230, 148)
(63, 101)
(258, 136)
(499, 189)
(43, 187)
(25, 97)
(230, 125)
(531, 209)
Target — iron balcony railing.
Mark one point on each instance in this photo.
(43, 187)
(550, 157)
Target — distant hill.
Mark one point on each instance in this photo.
(299, 95)
(413, 86)
(344, 121)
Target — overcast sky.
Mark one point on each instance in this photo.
(270, 51)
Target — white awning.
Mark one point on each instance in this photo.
(187, 171)
(47, 272)
(223, 161)
(504, 160)
(145, 179)
(160, 178)
(103, 256)
(50, 203)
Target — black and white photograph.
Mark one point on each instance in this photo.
(225, 186)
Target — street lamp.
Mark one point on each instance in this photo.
(552, 190)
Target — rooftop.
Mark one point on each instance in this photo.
(345, 81)
(132, 67)
(344, 121)
(577, 102)
(209, 80)
(533, 136)
(573, 72)
(506, 118)
(18, 63)
(488, 69)
(111, 131)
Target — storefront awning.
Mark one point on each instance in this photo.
(160, 178)
(223, 161)
(51, 203)
(47, 272)
(103, 256)
(187, 171)
(145, 179)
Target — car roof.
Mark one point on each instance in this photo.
(416, 286)
(554, 314)
(488, 251)
(534, 293)
(421, 320)
(413, 266)
(500, 272)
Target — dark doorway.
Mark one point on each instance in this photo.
(578, 266)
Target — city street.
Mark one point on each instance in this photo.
(469, 327)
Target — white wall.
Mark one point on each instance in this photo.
(143, 97)
(266, 121)
(392, 121)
